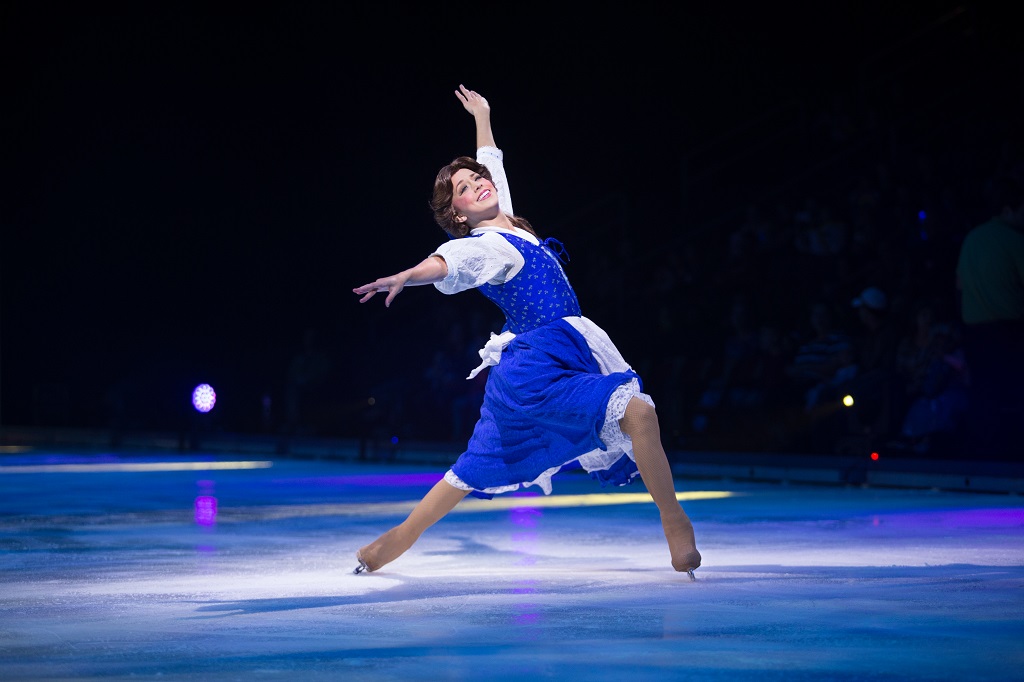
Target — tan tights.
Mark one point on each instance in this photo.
(640, 423)
(441, 499)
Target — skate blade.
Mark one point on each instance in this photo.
(692, 576)
(360, 568)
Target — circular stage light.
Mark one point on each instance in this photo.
(204, 397)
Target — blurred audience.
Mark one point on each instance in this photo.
(931, 367)
(307, 377)
(838, 279)
(822, 352)
(990, 277)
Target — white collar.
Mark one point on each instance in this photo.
(504, 230)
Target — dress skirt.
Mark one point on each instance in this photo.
(544, 410)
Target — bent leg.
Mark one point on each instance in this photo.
(640, 423)
(441, 499)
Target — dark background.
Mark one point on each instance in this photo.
(189, 190)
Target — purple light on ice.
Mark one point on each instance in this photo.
(206, 510)
(526, 618)
(947, 520)
(204, 397)
(525, 516)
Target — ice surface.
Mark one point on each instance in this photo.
(204, 573)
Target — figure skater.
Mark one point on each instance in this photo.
(559, 395)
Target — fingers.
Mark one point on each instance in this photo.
(367, 295)
(466, 95)
(368, 291)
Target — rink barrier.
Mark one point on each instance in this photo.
(1004, 477)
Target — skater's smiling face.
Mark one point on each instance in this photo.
(473, 197)
(456, 201)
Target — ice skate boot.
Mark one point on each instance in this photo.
(681, 544)
(383, 550)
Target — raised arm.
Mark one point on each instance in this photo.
(475, 104)
(431, 269)
(487, 151)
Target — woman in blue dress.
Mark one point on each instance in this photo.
(559, 394)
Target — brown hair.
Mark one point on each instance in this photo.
(441, 201)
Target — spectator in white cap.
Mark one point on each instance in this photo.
(879, 341)
(876, 351)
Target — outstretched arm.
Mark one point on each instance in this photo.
(475, 104)
(430, 270)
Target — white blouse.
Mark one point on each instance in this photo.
(491, 258)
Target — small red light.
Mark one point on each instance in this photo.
(874, 456)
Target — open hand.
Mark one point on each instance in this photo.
(393, 285)
(472, 100)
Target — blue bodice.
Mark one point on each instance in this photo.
(538, 294)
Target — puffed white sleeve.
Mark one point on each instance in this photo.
(493, 159)
(474, 261)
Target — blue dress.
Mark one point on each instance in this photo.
(557, 386)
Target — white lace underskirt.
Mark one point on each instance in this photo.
(616, 442)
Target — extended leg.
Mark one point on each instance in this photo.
(441, 499)
(640, 423)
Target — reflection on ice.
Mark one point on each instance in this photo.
(812, 582)
(205, 504)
